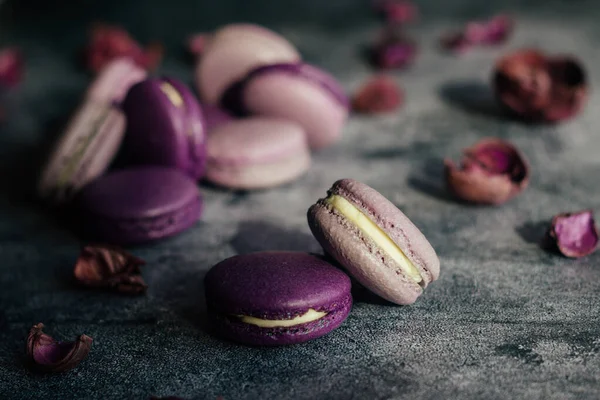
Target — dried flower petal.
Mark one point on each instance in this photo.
(49, 355)
(397, 11)
(574, 234)
(196, 44)
(393, 50)
(536, 87)
(492, 172)
(11, 67)
(491, 32)
(109, 42)
(379, 94)
(110, 267)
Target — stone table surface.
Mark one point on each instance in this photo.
(506, 320)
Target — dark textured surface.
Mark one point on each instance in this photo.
(505, 319)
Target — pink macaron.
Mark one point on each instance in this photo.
(374, 241)
(257, 152)
(299, 92)
(114, 81)
(233, 51)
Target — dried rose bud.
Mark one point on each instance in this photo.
(110, 42)
(491, 32)
(379, 94)
(11, 67)
(492, 172)
(536, 87)
(196, 44)
(110, 267)
(48, 355)
(397, 11)
(574, 234)
(393, 50)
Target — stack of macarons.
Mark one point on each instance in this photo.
(158, 126)
(263, 107)
(277, 298)
(259, 78)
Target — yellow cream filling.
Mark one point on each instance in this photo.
(370, 229)
(309, 316)
(172, 94)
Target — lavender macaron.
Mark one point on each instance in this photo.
(139, 204)
(114, 81)
(296, 91)
(276, 298)
(165, 126)
(84, 151)
(256, 153)
(376, 243)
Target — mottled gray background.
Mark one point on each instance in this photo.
(505, 320)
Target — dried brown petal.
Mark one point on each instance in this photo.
(11, 67)
(492, 172)
(574, 234)
(378, 95)
(48, 355)
(536, 87)
(477, 33)
(393, 50)
(110, 267)
(110, 42)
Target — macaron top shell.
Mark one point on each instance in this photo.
(139, 192)
(254, 140)
(114, 81)
(275, 284)
(394, 223)
(165, 125)
(233, 51)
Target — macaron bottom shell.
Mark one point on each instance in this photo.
(232, 328)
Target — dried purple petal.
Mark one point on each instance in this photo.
(492, 172)
(536, 87)
(378, 95)
(397, 11)
(393, 50)
(11, 67)
(477, 33)
(48, 355)
(574, 234)
(110, 267)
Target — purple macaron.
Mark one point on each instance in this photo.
(276, 297)
(139, 204)
(376, 243)
(298, 92)
(165, 126)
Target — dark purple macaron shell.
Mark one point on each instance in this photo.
(161, 132)
(139, 204)
(276, 285)
(232, 99)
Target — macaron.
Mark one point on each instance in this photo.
(296, 91)
(233, 51)
(276, 297)
(139, 204)
(114, 81)
(165, 126)
(257, 152)
(376, 243)
(85, 150)
(215, 116)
